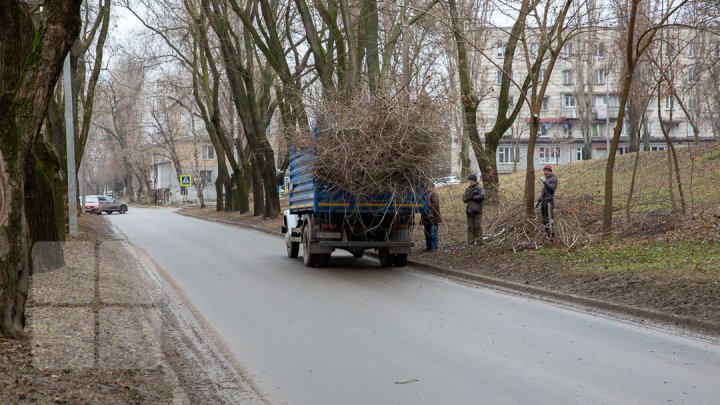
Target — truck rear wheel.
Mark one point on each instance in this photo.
(400, 259)
(386, 258)
(309, 259)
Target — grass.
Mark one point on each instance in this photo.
(677, 259)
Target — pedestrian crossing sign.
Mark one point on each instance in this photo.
(185, 180)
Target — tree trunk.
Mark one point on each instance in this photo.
(529, 196)
(673, 166)
(45, 206)
(257, 187)
(467, 98)
(28, 74)
(634, 172)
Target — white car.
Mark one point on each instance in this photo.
(446, 181)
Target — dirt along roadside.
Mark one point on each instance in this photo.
(679, 288)
(105, 328)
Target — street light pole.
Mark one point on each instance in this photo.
(70, 146)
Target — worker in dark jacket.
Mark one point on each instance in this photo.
(474, 196)
(547, 199)
(431, 219)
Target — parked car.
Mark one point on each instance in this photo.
(92, 205)
(446, 181)
(110, 205)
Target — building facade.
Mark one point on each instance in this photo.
(166, 178)
(580, 108)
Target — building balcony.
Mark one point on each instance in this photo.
(603, 112)
(568, 113)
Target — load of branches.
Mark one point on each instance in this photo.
(374, 145)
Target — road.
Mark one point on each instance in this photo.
(354, 333)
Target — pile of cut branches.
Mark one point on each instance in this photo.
(373, 145)
(576, 225)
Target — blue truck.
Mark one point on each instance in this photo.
(322, 217)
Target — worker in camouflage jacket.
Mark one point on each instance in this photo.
(474, 196)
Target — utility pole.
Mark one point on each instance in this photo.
(70, 146)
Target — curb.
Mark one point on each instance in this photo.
(640, 314)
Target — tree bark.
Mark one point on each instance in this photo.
(28, 74)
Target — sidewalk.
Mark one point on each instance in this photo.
(105, 328)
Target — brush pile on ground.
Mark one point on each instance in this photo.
(577, 224)
(373, 145)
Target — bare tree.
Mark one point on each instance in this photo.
(640, 35)
(122, 118)
(252, 103)
(551, 38)
(165, 123)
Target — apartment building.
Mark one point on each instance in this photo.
(165, 177)
(580, 108)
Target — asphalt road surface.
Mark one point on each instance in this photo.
(354, 333)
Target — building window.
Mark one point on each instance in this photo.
(622, 150)
(691, 75)
(505, 154)
(691, 103)
(600, 50)
(499, 76)
(600, 76)
(567, 129)
(205, 176)
(543, 130)
(500, 49)
(669, 102)
(656, 148)
(541, 77)
(567, 49)
(545, 103)
(208, 152)
(569, 101)
(691, 50)
(549, 154)
(595, 130)
(579, 155)
(567, 77)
